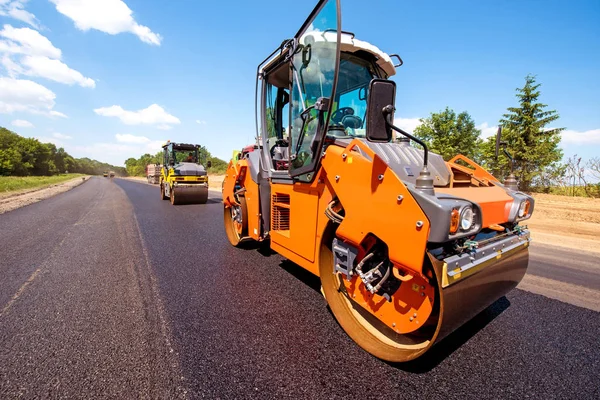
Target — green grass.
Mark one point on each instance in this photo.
(14, 183)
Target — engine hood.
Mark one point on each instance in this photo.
(189, 169)
(406, 161)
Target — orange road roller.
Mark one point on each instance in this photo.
(408, 247)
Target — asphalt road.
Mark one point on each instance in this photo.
(107, 291)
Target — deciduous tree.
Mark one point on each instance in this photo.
(449, 134)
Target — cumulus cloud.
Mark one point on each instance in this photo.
(127, 138)
(164, 127)
(28, 96)
(109, 16)
(201, 122)
(57, 114)
(407, 124)
(152, 115)
(55, 70)
(486, 130)
(27, 41)
(26, 52)
(16, 9)
(21, 123)
(61, 136)
(590, 137)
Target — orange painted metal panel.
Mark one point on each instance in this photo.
(494, 202)
(372, 204)
(303, 214)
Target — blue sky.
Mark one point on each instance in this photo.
(78, 72)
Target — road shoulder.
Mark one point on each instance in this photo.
(12, 201)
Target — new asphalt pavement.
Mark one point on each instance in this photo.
(106, 291)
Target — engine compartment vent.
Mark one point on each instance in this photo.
(280, 212)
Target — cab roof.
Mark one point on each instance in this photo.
(182, 146)
(348, 44)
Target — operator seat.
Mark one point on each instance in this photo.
(280, 153)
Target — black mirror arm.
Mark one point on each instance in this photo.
(387, 111)
(304, 115)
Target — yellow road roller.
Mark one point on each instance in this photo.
(183, 179)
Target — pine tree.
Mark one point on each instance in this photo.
(534, 146)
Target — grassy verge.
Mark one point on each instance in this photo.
(15, 183)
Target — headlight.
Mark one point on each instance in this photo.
(524, 208)
(466, 218)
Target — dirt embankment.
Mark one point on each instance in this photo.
(14, 200)
(565, 221)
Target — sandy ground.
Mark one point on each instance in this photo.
(13, 200)
(564, 221)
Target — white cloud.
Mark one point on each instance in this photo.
(590, 137)
(55, 70)
(16, 9)
(26, 52)
(127, 138)
(152, 115)
(407, 124)
(164, 127)
(201, 122)
(21, 123)
(486, 130)
(28, 96)
(109, 16)
(61, 136)
(27, 41)
(57, 114)
(46, 139)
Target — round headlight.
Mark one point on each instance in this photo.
(524, 208)
(466, 218)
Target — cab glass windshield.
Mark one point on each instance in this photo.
(350, 106)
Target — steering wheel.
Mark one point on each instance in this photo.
(340, 113)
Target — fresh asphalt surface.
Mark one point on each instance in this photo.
(107, 291)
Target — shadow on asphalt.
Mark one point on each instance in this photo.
(301, 274)
(440, 351)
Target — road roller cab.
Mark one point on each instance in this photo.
(408, 246)
(182, 178)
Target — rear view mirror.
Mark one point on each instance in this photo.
(498, 141)
(208, 164)
(382, 94)
(362, 93)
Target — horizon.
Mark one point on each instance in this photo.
(116, 79)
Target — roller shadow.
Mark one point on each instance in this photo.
(263, 248)
(306, 277)
(440, 351)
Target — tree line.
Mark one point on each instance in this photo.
(527, 136)
(137, 166)
(21, 156)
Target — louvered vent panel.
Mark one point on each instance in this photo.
(280, 212)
